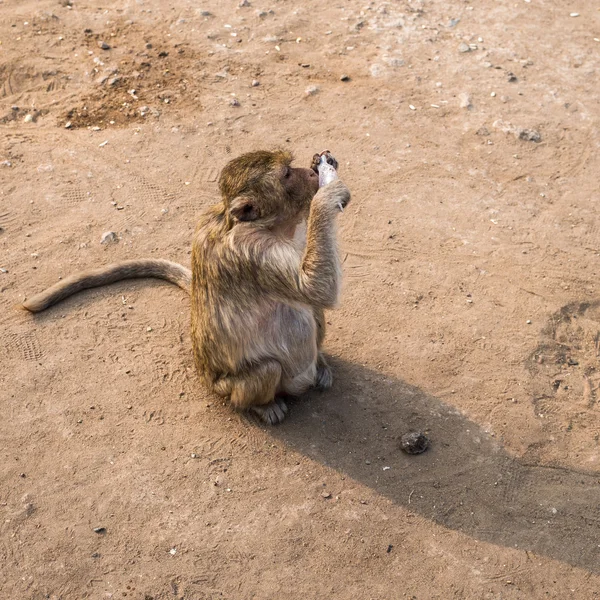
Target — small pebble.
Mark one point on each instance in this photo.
(109, 237)
(101, 145)
(148, 329)
(173, 551)
(493, 94)
(311, 90)
(326, 495)
(234, 102)
(465, 100)
(530, 135)
(103, 45)
(464, 47)
(574, 15)
(255, 83)
(28, 118)
(414, 442)
(528, 321)
(68, 125)
(100, 530)
(412, 107)
(345, 78)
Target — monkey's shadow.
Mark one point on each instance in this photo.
(464, 481)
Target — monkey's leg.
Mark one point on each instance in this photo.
(255, 390)
(297, 385)
(324, 378)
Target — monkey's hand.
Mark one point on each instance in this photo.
(316, 161)
(333, 196)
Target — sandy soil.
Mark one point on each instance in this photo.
(469, 136)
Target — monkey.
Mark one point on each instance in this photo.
(265, 267)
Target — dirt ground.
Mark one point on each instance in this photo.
(468, 133)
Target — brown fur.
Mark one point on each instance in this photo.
(257, 291)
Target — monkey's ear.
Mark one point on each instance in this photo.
(243, 209)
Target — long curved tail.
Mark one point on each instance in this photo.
(128, 269)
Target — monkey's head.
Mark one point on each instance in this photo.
(263, 187)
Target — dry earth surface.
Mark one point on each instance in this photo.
(468, 132)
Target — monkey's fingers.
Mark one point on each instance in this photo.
(330, 159)
(327, 172)
(314, 165)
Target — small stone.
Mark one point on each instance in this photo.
(144, 110)
(530, 135)
(68, 125)
(311, 90)
(465, 100)
(109, 237)
(464, 47)
(345, 78)
(574, 15)
(114, 80)
(100, 530)
(5, 163)
(28, 118)
(493, 94)
(194, 455)
(367, 462)
(102, 144)
(528, 321)
(414, 442)
(103, 45)
(512, 78)
(412, 107)
(255, 83)
(234, 102)
(326, 495)
(483, 131)
(244, 3)
(148, 329)
(173, 551)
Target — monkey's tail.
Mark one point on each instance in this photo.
(128, 269)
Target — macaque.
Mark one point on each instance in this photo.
(265, 266)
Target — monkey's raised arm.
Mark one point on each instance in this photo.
(313, 278)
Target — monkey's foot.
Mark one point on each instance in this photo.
(324, 379)
(272, 413)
